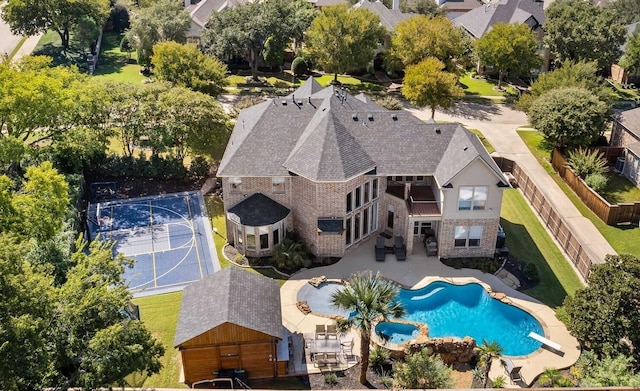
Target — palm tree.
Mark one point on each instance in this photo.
(550, 377)
(367, 298)
(487, 352)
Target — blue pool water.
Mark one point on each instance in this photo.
(397, 332)
(449, 311)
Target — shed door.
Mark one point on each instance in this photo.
(230, 357)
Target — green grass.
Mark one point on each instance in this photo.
(159, 313)
(18, 46)
(50, 45)
(623, 239)
(530, 242)
(484, 141)
(114, 64)
(484, 87)
(619, 190)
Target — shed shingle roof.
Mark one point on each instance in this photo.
(630, 119)
(322, 141)
(480, 20)
(231, 295)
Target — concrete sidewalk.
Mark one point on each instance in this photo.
(498, 123)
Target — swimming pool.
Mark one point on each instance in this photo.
(451, 311)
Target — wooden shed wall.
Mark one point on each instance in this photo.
(226, 333)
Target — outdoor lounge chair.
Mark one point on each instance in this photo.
(321, 331)
(512, 370)
(400, 249)
(332, 331)
(380, 250)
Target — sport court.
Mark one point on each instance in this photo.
(169, 236)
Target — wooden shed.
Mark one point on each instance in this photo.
(231, 321)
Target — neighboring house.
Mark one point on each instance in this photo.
(481, 19)
(618, 73)
(626, 134)
(230, 321)
(339, 169)
(389, 18)
(200, 12)
(455, 8)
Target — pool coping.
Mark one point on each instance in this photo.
(417, 272)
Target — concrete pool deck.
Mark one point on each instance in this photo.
(417, 271)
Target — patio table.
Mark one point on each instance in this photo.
(325, 346)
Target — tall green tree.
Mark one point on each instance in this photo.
(31, 17)
(630, 60)
(604, 315)
(344, 38)
(628, 11)
(615, 371)
(368, 298)
(428, 84)
(422, 370)
(487, 351)
(509, 48)
(569, 117)
(577, 30)
(423, 36)
(187, 66)
(422, 7)
(85, 32)
(164, 20)
(245, 30)
(568, 74)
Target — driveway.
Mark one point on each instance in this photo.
(9, 40)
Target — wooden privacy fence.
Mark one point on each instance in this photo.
(551, 218)
(610, 214)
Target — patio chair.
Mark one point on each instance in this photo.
(380, 250)
(400, 249)
(347, 344)
(331, 358)
(321, 331)
(332, 331)
(512, 370)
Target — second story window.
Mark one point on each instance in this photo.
(277, 185)
(472, 197)
(236, 184)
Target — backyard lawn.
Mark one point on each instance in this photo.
(484, 87)
(114, 64)
(623, 239)
(160, 314)
(528, 241)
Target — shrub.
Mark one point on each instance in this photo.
(246, 102)
(386, 379)
(199, 168)
(596, 181)
(390, 103)
(586, 162)
(499, 382)
(531, 272)
(291, 254)
(299, 66)
(379, 357)
(331, 378)
(422, 370)
(280, 84)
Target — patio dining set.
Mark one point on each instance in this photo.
(330, 349)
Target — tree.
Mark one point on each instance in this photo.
(606, 372)
(427, 84)
(31, 17)
(630, 60)
(187, 66)
(42, 203)
(96, 344)
(581, 74)
(628, 11)
(245, 30)
(577, 30)
(487, 351)
(422, 7)
(423, 36)
(569, 116)
(367, 298)
(422, 370)
(165, 20)
(343, 38)
(85, 33)
(119, 17)
(604, 314)
(509, 48)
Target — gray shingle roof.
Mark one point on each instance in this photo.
(201, 12)
(480, 20)
(322, 141)
(258, 210)
(231, 295)
(630, 119)
(389, 19)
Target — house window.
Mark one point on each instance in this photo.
(374, 189)
(365, 222)
(356, 227)
(374, 217)
(409, 179)
(264, 237)
(239, 236)
(349, 202)
(420, 178)
(236, 184)
(466, 236)
(251, 238)
(358, 197)
(472, 197)
(347, 228)
(367, 192)
(276, 236)
(277, 185)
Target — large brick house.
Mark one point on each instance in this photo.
(339, 169)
